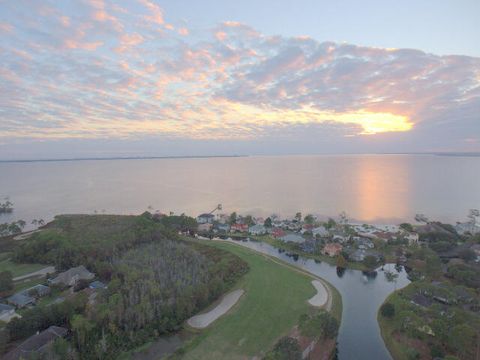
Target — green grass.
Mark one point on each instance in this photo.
(19, 269)
(275, 297)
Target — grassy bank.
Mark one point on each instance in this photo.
(396, 349)
(276, 295)
(19, 269)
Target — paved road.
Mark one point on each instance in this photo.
(41, 272)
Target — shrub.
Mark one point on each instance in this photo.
(388, 310)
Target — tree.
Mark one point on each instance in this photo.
(233, 218)
(248, 220)
(6, 282)
(467, 255)
(370, 262)
(309, 219)
(286, 348)
(330, 224)
(298, 216)
(387, 310)
(268, 222)
(343, 218)
(463, 340)
(406, 226)
(341, 262)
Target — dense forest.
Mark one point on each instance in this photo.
(155, 279)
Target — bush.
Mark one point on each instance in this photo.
(286, 348)
(388, 310)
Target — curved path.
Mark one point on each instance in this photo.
(321, 297)
(203, 320)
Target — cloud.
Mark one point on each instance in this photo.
(95, 70)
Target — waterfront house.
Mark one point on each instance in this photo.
(72, 276)
(204, 227)
(20, 300)
(293, 238)
(205, 218)
(239, 227)
(37, 344)
(277, 232)
(223, 228)
(257, 230)
(363, 243)
(360, 255)
(332, 249)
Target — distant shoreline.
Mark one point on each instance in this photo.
(124, 158)
(451, 154)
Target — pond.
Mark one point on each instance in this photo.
(359, 334)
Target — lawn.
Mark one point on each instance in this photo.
(19, 269)
(275, 297)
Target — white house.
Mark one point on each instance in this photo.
(320, 231)
(257, 230)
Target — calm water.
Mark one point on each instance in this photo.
(359, 336)
(381, 188)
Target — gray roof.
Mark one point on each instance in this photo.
(21, 300)
(71, 276)
(37, 290)
(97, 285)
(36, 343)
(5, 307)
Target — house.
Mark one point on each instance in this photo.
(257, 230)
(468, 228)
(239, 227)
(332, 249)
(363, 243)
(205, 218)
(20, 300)
(277, 232)
(96, 285)
(307, 228)
(223, 228)
(72, 276)
(412, 238)
(37, 291)
(384, 235)
(292, 238)
(7, 312)
(37, 344)
(204, 227)
(421, 300)
(320, 232)
(361, 254)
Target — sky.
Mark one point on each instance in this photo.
(100, 78)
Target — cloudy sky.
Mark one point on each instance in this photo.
(144, 77)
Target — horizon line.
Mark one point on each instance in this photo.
(446, 153)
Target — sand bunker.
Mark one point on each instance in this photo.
(203, 320)
(321, 297)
